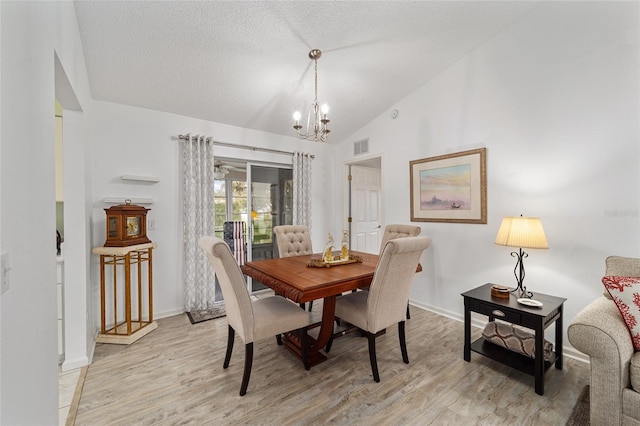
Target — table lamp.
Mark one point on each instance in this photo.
(521, 232)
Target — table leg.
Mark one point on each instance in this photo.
(127, 291)
(539, 359)
(559, 340)
(139, 270)
(292, 340)
(467, 333)
(326, 327)
(150, 272)
(103, 320)
(114, 262)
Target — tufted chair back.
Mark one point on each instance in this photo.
(393, 231)
(293, 240)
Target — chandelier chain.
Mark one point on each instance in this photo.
(315, 98)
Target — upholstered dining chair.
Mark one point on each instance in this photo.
(293, 240)
(252, 320)
(384, 304)
(393, 231)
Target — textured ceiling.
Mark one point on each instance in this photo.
(246, 64)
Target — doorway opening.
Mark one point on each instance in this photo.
(59, 183)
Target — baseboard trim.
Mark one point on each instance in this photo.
(169, 313)
(72, 364)
(568, 351)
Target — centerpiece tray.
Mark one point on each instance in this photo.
(318, 262)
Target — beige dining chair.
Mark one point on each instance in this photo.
(293, 240)
(398, 230)
(384, 304)
(253, 320)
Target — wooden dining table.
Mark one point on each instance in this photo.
(291, 277)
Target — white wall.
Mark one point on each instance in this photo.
(32, 32)
(136, 141)
(71, 86)
(2, 269)
(554, 99)
(78, 337)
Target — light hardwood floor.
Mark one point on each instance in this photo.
(174, 375)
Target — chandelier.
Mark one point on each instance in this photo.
(317, 117)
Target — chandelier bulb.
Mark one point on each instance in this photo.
(297, 116)
(324, 109)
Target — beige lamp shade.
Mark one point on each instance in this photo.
(523, 232)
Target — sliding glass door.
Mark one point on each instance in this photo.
(230, 198)
(258, 195)
(271, 204)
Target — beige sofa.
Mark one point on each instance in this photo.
(599, 331)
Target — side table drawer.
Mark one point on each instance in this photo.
(498, 312)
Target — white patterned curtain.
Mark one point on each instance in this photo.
(198, 221)
(302, 189)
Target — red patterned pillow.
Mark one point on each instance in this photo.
(625, 292)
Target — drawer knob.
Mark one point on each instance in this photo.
(498, 313)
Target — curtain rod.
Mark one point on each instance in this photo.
(233, 145)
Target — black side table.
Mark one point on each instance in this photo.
(479, 300)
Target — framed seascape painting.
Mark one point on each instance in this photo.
(450, 188)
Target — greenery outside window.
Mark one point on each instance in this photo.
(261, 216)
(229, 205)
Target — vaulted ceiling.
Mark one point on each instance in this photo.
(246, 63)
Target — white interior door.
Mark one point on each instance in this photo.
(366, 208)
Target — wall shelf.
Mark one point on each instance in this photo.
(121, 200)
(152, 179)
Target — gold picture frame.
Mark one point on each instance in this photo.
(450, 188)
